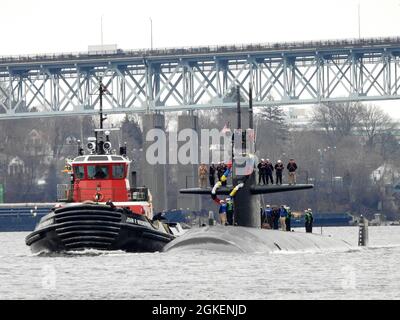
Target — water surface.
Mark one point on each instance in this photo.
(366, 273)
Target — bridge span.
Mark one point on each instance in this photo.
(177, 79)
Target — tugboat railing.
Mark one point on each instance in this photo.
(66, 193)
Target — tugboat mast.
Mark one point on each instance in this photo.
(102, 90)
(100, 142)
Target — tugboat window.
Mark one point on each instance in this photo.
(98, 172)
(79, 172)
(118, 171)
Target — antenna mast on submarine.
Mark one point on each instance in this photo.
(239, 113)
(251, 116)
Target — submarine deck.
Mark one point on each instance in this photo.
(252, 240)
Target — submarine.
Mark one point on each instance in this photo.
(247, 235)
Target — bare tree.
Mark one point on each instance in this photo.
(337, 119)
(374, 123)
(389, 147)
(274, 117)
(272, 126)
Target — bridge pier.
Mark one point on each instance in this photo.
(154, 176)
(188, 174)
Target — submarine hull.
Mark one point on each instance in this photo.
(252, 240)
(82, 227)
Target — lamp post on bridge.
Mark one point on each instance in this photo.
(151, 33)
(359, 21)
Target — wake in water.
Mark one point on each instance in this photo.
(383, 246)
(82, 253)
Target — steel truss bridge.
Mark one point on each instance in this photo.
(200, 78)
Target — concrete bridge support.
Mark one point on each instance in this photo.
(188, 174)
(154, 176)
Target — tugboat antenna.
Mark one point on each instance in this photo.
(99, 144)
(102, 90)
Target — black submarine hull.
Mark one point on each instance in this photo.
(81, 227)
(252, 240)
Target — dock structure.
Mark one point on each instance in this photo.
(22, 216)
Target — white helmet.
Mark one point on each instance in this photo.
(279, 161)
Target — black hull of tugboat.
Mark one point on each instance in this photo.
(81, 227)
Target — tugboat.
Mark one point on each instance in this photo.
(99, 209)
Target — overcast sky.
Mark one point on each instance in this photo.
(47, 26)
(32, 26)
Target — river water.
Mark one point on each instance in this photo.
(366, 273)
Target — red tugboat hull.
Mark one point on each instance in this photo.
(100, 227)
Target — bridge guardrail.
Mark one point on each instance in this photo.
(203, 50)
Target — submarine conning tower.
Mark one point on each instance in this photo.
(245, 191)
(246, 207)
